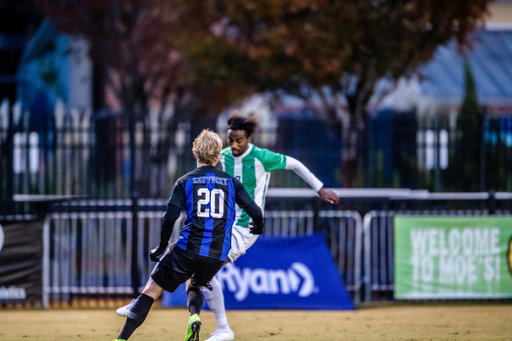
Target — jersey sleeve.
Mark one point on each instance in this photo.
(171, 215)
(271, 160)
(304, 173)
(178, 194)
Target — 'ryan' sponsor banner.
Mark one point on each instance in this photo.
(282, 273)
(453, 257)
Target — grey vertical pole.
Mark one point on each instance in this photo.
(358, 259)
(367, 221)
(46, 262)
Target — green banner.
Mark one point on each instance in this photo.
(453, 257)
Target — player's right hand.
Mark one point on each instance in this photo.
(329, 196)
(257, 229)
(157, 252)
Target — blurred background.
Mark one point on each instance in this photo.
(100, 101)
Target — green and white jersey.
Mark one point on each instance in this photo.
(253, 167)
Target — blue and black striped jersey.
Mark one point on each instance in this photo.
(208, 195)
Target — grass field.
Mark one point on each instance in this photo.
(389, 322)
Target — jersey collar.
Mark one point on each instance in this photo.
(244, 154)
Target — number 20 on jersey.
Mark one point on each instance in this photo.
(215, 198)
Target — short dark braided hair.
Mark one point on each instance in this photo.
(238, 122)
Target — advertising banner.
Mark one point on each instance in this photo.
(20, 261)
(440, 257)
(282, 273)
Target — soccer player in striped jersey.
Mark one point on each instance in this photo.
(208, 195)
(252, 166)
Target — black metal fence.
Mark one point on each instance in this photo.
(81, 153)
(433, 153)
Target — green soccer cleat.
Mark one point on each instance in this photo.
(118, 340)
(194, 326)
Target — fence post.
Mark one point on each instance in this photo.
(45, 299)
(369, 154)
(491, 202)
(135, 251)
(366, 278)
(134, 207)
(316, 216)
(437, 156)
(358, 259)
(10, 163)
(483, 119)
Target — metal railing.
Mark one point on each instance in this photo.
(344, 231)
(88, 254)
(88, 245)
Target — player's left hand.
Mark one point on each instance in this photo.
(157, 252)
(257, 229)
(329, 196)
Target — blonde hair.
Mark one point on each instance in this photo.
(207, 147)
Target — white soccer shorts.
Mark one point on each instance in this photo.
(241, 240)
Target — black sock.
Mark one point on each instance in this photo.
(136, 316)
(195, 300)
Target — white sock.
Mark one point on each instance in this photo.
(215, 299)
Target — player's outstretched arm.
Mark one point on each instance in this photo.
(328, 195)
(301, 170)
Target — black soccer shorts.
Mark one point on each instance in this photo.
(179, 265)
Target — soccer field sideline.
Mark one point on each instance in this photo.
(390, 322)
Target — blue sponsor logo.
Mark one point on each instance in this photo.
(297, 279)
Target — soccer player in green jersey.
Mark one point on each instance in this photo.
(252, 166)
